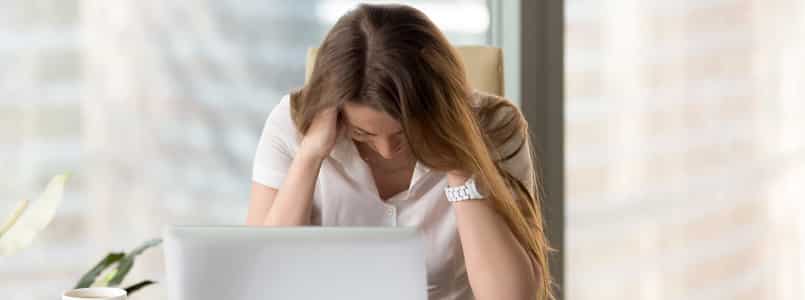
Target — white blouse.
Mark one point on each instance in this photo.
(345, 195)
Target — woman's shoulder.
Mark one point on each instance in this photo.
(495, 111)
(280, 123)
(280, 115)
(502, 122)
(495, 108)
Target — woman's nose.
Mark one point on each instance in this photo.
(387, 148)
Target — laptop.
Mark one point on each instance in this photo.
(288, 263)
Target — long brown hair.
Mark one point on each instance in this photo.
(394, 59)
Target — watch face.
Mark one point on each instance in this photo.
(472, 189)
(471, 185)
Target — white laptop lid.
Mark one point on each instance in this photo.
(241, 262)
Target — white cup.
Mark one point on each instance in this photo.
(95, 293)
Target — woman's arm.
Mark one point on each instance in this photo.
(262, 197)
(292, 203)
(497, 265)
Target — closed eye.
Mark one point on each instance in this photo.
(361, 132)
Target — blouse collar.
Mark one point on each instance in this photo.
(346, 154)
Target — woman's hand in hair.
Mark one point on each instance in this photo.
(320, 138)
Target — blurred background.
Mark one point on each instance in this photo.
(684, 131)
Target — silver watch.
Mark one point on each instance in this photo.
(466, 191)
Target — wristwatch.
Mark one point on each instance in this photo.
(466, 191)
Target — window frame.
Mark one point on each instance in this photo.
(535, 82)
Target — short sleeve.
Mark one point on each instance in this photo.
(520, 165)
(513, 154)
(278, 143)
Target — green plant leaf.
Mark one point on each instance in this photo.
(125, 264)
(144, 246)
(104, 279)
(93, 273)
(137, 286)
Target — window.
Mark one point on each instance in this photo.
(685, 149)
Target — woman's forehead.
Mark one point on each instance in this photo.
(370, 119)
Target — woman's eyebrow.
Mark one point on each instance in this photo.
(370, 133)
(361, 129)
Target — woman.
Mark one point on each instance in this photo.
(385, 133)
